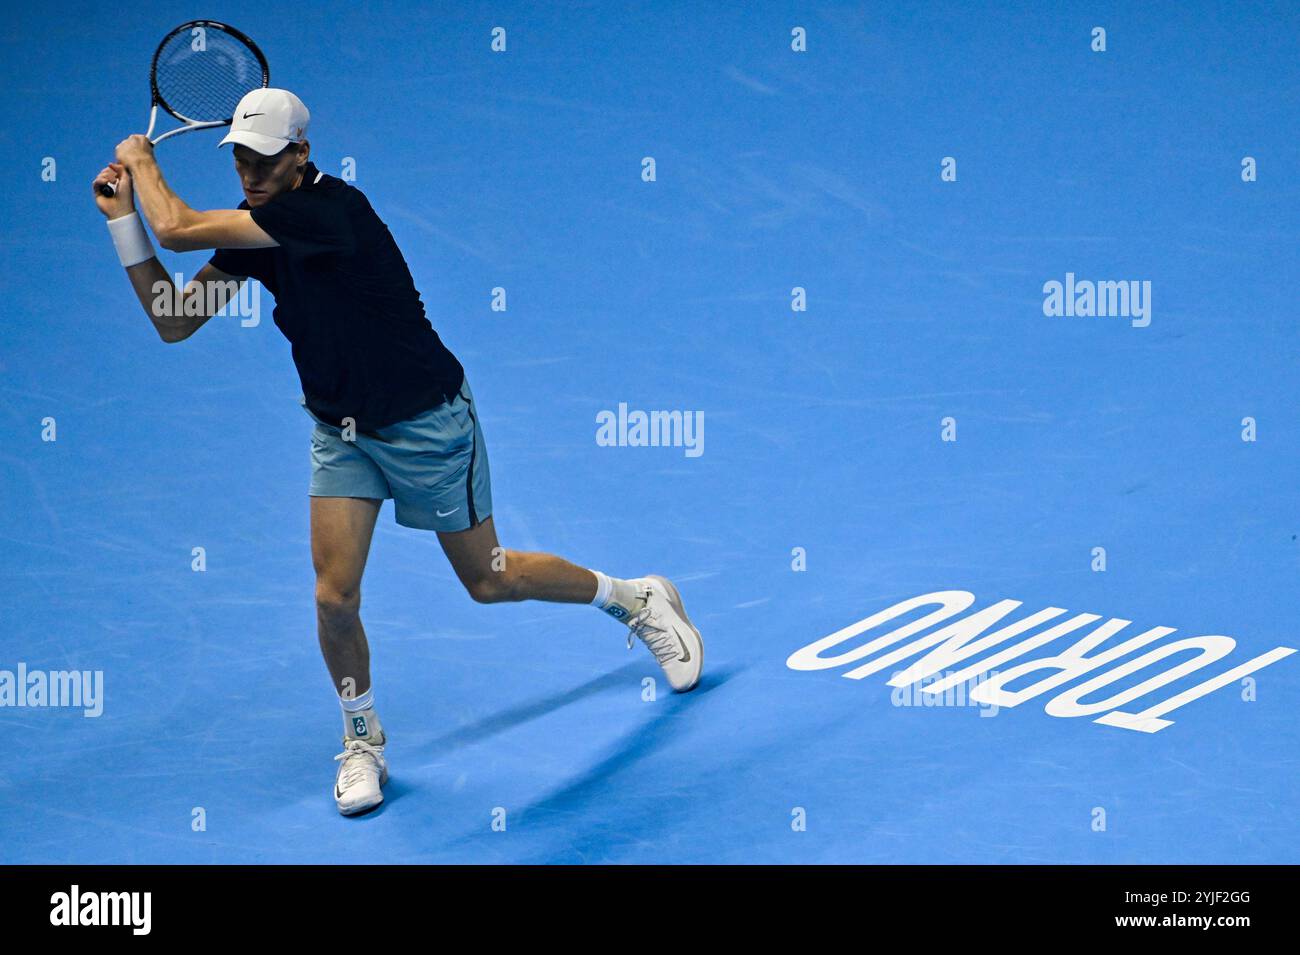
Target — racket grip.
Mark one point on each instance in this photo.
(108, 190)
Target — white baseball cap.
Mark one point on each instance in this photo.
(267, 120)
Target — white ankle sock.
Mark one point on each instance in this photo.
(617, 597)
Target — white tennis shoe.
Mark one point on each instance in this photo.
(662, 625)
(362, 771)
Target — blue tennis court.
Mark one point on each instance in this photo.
(833, 267)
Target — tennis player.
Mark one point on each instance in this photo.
(393, 412)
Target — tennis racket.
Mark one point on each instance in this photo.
(199, 73)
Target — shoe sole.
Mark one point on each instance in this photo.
(358, 810)
(675, 599)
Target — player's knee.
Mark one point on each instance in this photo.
(337, 604)
(493, 587)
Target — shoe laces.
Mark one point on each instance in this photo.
(359, 758)
(645, 626)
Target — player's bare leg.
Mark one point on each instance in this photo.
(492, 574)
(650, 606)
(341, 531)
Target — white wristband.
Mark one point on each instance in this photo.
(130, 240)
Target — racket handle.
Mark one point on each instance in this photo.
(108, 190)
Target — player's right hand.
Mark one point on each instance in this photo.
(121, 204)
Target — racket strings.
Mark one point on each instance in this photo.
(204, 84)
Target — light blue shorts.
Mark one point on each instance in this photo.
(434, 466)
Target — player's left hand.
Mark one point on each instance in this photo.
(121, 202)
(134, 149)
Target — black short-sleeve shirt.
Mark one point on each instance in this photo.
(345, 299)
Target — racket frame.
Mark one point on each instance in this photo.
(156, 95)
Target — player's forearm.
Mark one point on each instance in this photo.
(162, 301)
(167, 212)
